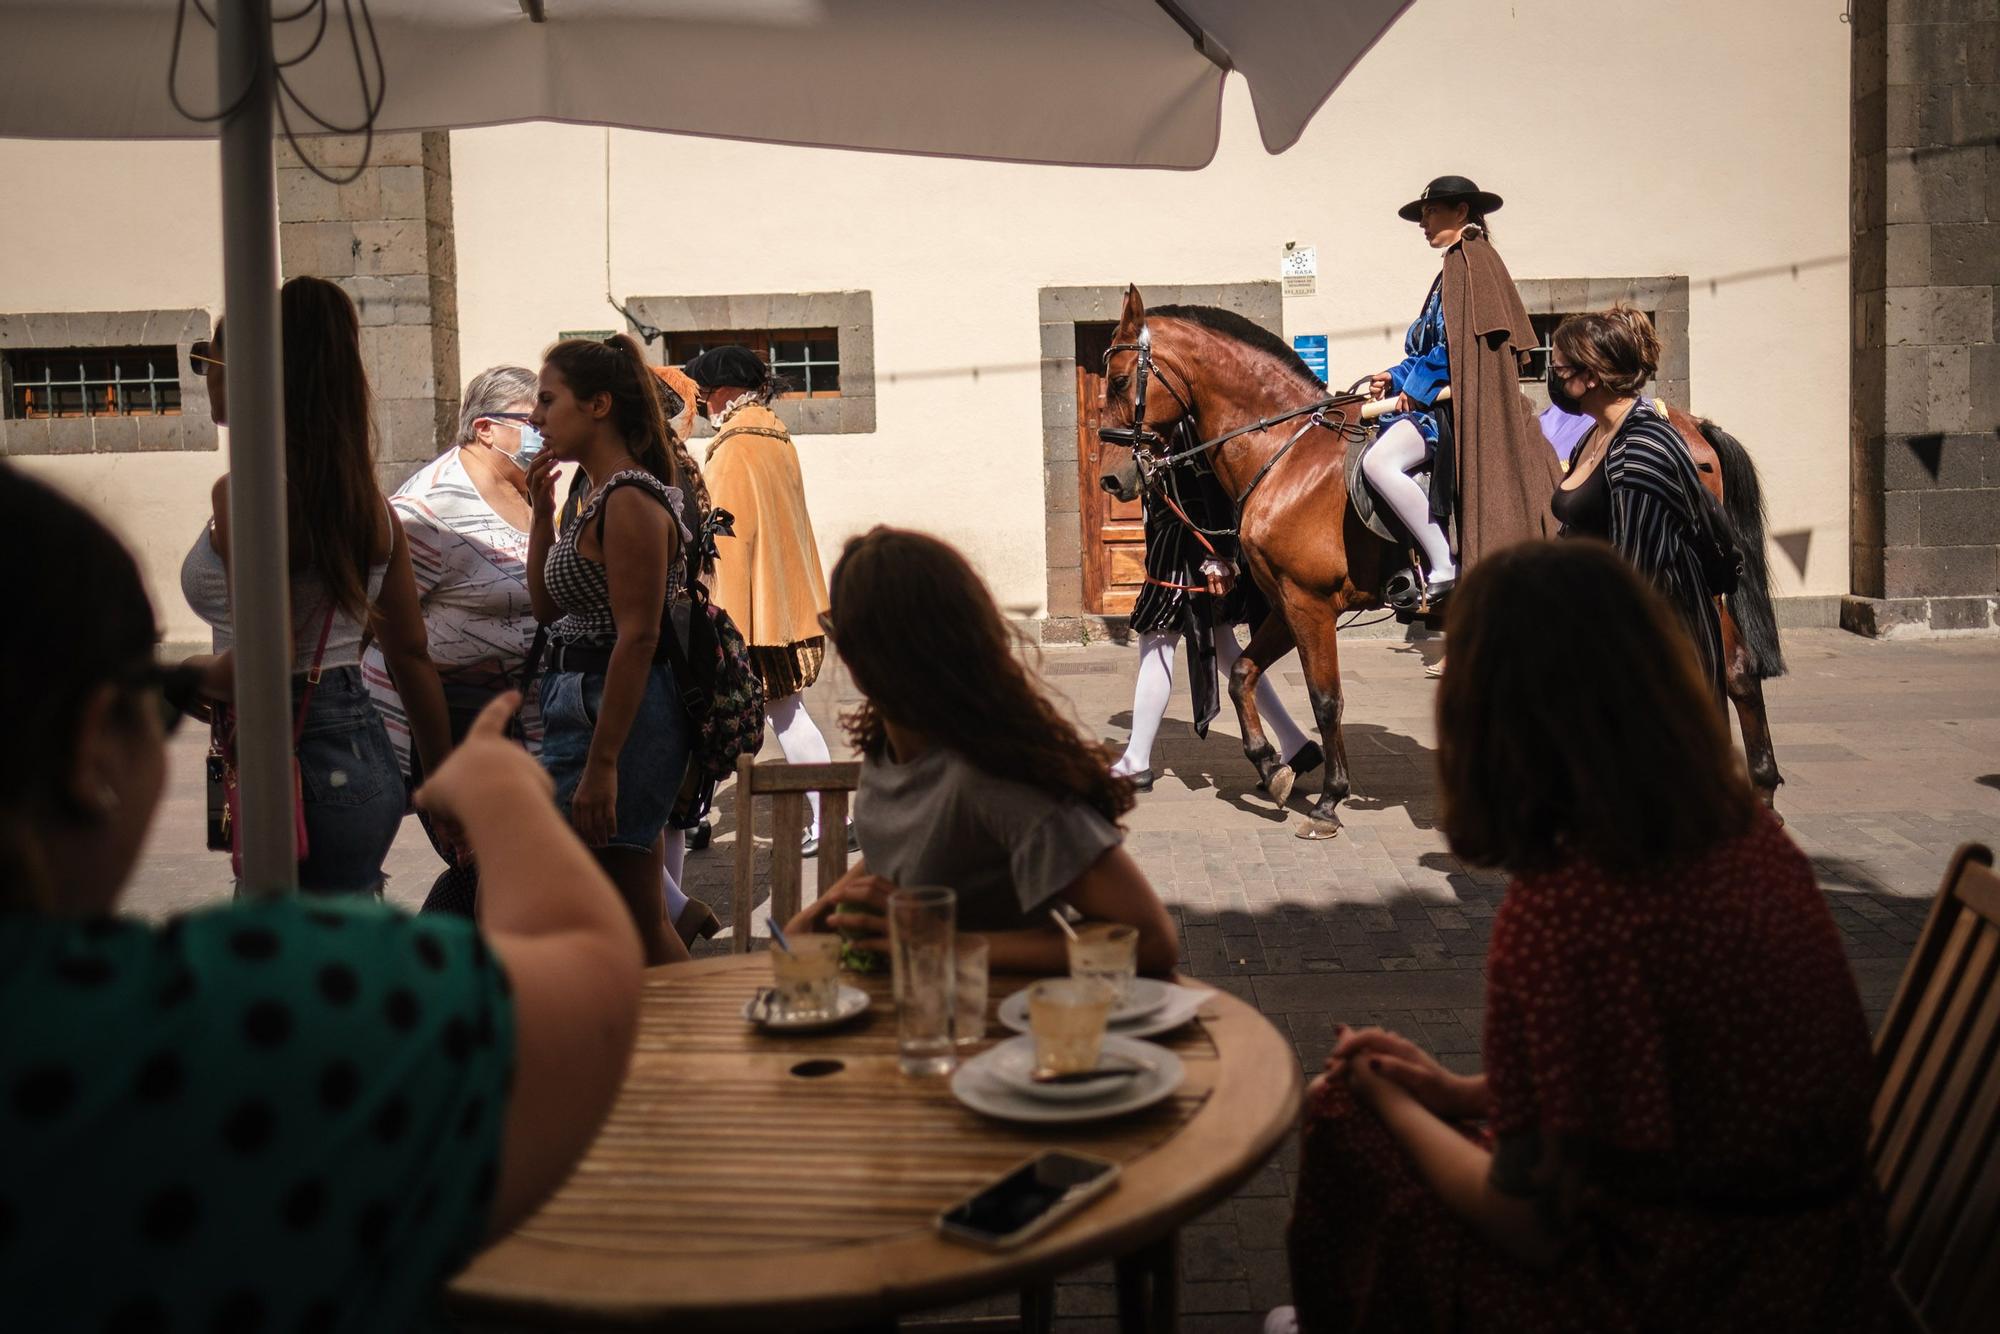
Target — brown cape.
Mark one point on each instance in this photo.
(1506, 469)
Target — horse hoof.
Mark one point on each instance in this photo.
(1318, 830)
(1280, 784)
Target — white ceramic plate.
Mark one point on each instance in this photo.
(850, 1002)
(1177, 1006)
(1013, 1063)
(980, 1087)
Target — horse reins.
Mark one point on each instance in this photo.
(1140, 435)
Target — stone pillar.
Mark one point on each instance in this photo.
(387, 239)
(1924, 419)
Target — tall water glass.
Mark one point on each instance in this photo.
(969, 1027)
(922, 937)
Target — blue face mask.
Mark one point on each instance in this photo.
(531, 445)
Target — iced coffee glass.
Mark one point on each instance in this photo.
(808, 978)
(1108, 955)
(1067, 1017)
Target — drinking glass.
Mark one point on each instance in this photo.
(1067, 1016)
(922, 939)
(1108, 954)
(969, 1024)
(807, 979)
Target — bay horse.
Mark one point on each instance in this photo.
(1187, 380)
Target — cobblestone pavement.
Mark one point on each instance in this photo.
(1891, 753)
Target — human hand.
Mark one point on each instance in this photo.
(1219, 584)
(542, 486)
(593, 808)
(1376, 1054)
(1378, 384)
(1403, 403)
(857, 906)
(486, 763)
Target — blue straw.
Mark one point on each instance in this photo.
(778, 934)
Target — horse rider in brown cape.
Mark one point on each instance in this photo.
(1491, 470)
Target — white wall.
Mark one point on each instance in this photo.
(109, 226)
(1707, 138)
(1581, 115)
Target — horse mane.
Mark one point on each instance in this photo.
(1232, 325)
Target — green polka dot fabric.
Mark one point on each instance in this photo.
(274, 1116)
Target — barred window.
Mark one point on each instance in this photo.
(92, 382)
(808, 360)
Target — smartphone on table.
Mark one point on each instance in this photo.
(1028, 1200)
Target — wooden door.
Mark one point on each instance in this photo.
(1114, 531)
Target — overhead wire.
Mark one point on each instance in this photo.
(374, 91)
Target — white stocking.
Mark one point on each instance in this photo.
(801, 741)
(1149, 699)
(671, 857)
(1277, 722)
(1387, 464)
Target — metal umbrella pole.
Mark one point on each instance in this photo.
(260, 581)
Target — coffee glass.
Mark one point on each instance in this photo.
(807, 977)
(1066, 1016)
(1107, 953)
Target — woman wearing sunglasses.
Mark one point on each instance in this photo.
(350, 580)
(286, 1113)
(466, 517)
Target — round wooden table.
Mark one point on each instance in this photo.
(733, 1189)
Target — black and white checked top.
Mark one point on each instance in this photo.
(580, 585)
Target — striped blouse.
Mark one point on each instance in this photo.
(1654, 489)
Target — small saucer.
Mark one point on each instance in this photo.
(1013, 1063)
(978, 1086)
(848, 1002)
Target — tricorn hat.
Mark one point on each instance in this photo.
(731, 366)
(1446, 188)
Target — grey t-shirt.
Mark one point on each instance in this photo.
(1005, 847)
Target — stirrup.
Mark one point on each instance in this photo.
(1435, 592)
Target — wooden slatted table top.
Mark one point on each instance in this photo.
(726, 1191)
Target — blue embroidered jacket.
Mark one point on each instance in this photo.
(1426, 364)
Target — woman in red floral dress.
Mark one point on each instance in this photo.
(1670, 1131)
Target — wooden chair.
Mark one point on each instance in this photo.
(1935, 1147)
(787, 786)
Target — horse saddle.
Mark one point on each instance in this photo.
(1367, 506)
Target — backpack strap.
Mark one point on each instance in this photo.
(692, 697)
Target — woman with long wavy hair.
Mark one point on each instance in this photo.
(970, 776)
(615, 734)
(351, 579)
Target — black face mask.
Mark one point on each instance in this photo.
(1559, 395)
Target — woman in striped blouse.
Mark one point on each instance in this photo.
(1633, 482)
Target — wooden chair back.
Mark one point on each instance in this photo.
(787, 786)
(1935, 1147)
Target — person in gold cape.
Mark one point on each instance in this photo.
(768, 579)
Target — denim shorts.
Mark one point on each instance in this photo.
(651, 764)
(352, 784)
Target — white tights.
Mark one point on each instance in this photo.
(1387, 465)
(800, 740)
(672, 858)
(1156, 685)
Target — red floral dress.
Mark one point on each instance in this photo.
(1693, 1046)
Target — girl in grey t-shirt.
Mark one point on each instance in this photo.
(970, 776)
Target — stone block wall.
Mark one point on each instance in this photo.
(386, 237)
(1925, 390)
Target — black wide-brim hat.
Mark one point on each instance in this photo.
(731, 366)
(1446, 189)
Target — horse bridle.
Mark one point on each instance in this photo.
(1140, 437)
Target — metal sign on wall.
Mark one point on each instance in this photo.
(1298, 269)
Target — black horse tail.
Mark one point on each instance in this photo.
(1750, 604)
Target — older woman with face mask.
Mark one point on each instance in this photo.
(466, 513)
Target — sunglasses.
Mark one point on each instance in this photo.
(826, 623)
(507, 416)
(179, 690)
(1564, 372)
(201, 357)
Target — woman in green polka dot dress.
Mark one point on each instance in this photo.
(297, 1115)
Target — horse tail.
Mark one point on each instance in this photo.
(1743, 497)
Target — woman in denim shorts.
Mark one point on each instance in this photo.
(350, 576)
(615, 733)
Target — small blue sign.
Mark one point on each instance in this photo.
(1312, 350)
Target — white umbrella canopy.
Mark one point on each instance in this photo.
(1087, 82)
(1135, 83)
